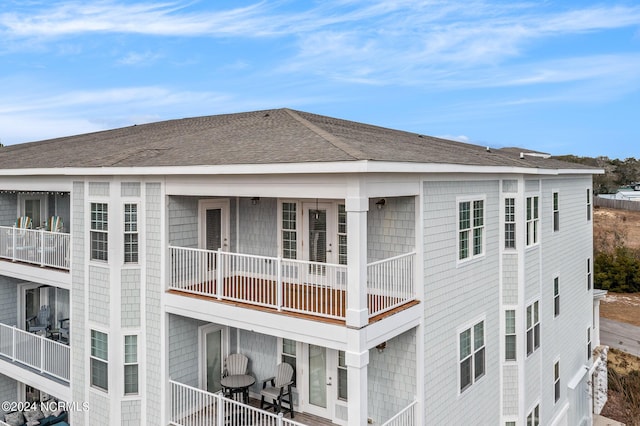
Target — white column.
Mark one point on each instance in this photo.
(357, 208)
(357, 361)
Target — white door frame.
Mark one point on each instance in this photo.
(203, 330)
(212, 204)
(331, 370)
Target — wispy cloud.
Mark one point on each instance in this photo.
(139, 58)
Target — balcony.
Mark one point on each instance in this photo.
(35, 352)
(36, 247)
(287, 285)
(191, 406)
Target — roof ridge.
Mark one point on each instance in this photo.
(333, 140)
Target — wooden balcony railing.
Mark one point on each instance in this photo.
(35, 351)
(35, 246)
(286, 284)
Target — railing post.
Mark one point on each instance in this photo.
(13, 244)
(280, 417)
(220, 411)
(41, 354)
(219, 281)
(13, 344)
(279, 284)
(41, 247)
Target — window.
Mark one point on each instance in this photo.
(556, 296)
(130, 364)
(99, 228)
(588, 274)
(532, 220)
(510, 424)
(99, 358)
(342, 235)
(589, 352)
(289, 231)
(556, 213)
(131, 233)
(556, 381)
(588, 204)
(533, 328)
(470, 228)
(342, 377)
(289, 355)
(510, 223)
(533, 419)
(472, 359)
(510, 335)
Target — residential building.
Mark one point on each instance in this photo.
(404, 277)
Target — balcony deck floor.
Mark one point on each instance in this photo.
(315, 303)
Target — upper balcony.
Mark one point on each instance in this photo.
(35, 246)
(310, 259)
(288, 285)
(34, 233)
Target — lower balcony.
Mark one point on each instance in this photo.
(287, 285)
(193, 406)
(36, 353)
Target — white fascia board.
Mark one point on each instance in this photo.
(361, 166)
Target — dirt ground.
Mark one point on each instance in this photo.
(609, 222)
(623, 307)
(608, 225)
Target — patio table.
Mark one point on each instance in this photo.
(238, 383)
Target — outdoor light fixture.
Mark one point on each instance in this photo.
(380, 204)
(381, 347)
(255, 200)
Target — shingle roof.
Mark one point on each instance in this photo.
(259, 137)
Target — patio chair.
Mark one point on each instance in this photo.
(41, 321)
(23, 222)
(63, 329)
(54, 224)
(279, 390)
(235, 364)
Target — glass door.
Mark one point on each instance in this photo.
(319, 229)
(214, 229)
(320, 392)
(212, 343)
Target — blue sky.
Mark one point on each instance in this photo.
(557, 76)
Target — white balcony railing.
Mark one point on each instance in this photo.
(195, 407)
(35, 351)
(35, 246)
(406, 417)
(390, 283)
(286, 284)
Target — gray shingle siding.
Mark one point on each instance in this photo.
(99, 295)
(454, 297)
(8, 209)
(153, 291)
(392, 377)
(182, 214)
(78, 313)
(390, 230)
(183, 349)
(130, 297)
(8, 300)
(259, 227)
(8, 390)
